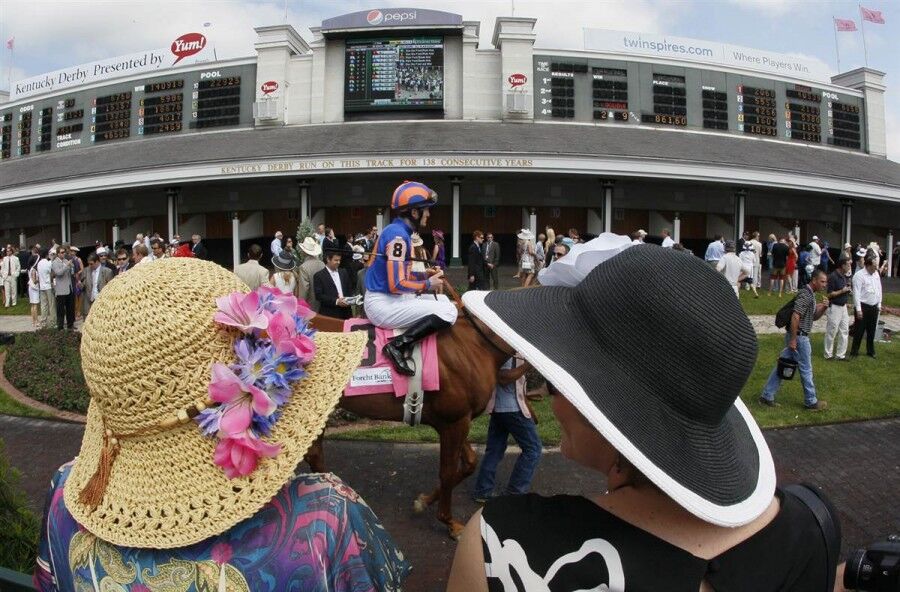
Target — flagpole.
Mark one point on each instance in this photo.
(836, 48)
(862, 23)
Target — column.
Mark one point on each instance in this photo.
(846, 219)
(532, 221)
(740, 197)
(304, 199)
(379, 219)
(236, 239)
(608, 185)
(797, 232)
(115, 234)
(65, 221)
(22, 239)
(676, 228)
(172, 195)
(455, 183)
(890, 253)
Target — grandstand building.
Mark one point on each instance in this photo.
(634, 131)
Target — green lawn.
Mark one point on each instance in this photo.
(860, 389)
(9, 406)
(769, 305)
(21, 308)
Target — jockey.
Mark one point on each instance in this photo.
(394, 293)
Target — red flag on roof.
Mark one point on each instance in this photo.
(844, 24)
(873, 16)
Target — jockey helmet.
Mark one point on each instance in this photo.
(412, 195)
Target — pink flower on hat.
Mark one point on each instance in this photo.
(227, 388)
(239, 454)
(221, 553)
(286, 339)
(241, 311)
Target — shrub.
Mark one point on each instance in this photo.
(304, 230)
(46, 366)
(19, 528)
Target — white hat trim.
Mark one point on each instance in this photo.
(734, 515)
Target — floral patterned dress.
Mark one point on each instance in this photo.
(317, 534)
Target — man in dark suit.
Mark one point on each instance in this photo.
(477, 276)
(198, 249)
(331, 285)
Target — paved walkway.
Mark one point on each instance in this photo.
(857, 464)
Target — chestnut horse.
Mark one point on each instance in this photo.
(470, 359)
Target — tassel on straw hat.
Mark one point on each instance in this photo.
(147, 476)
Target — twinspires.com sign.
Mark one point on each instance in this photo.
(697, 50)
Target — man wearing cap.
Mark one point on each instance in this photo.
(798, 346)
(311, 252)
(838, 320)
(394, 293)
(731, 266)
(251, 272)
(867, 297)
(815, 252)
(276, 244)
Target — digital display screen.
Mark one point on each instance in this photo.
(394, 74)
(217, 103)
(803, 115)
(610, 94)
(161, 114)
(6, 136)
(669, 101)
(111, 117)
(715, 109)
(757, 111)
(844, 125)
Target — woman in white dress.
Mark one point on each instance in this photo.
(749, 261)
(527, 262)
(283, 276)
(34, 292)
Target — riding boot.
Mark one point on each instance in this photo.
(399, 349)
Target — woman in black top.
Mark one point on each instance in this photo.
(691, 502)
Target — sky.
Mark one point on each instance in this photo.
(50, 35)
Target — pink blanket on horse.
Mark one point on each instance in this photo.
(376, 374)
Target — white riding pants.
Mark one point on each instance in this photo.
(398, 311)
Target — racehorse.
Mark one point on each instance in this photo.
(470, 357)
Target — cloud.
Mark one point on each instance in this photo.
(771, 8)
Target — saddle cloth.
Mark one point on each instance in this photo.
(376, 374)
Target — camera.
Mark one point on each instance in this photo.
(876, 569)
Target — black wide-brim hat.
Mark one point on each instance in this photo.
(284, 261)
(652, 348)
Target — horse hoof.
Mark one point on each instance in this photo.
(419, 504)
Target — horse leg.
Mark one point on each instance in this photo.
(315, 456)
(468, 461)
(453, 437)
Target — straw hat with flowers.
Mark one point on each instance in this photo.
(184, 444)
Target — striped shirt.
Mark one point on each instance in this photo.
(805, 306)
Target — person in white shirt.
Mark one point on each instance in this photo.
(667, 243)
(867, 302)
(332, 286)
(141, 255)
(758, 249)
(276, 244)
(749, 261)
(45, 283)
(320, 233)
(815, 254)
(731, 267)
(9, 272)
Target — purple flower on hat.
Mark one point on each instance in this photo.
(249, 392)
